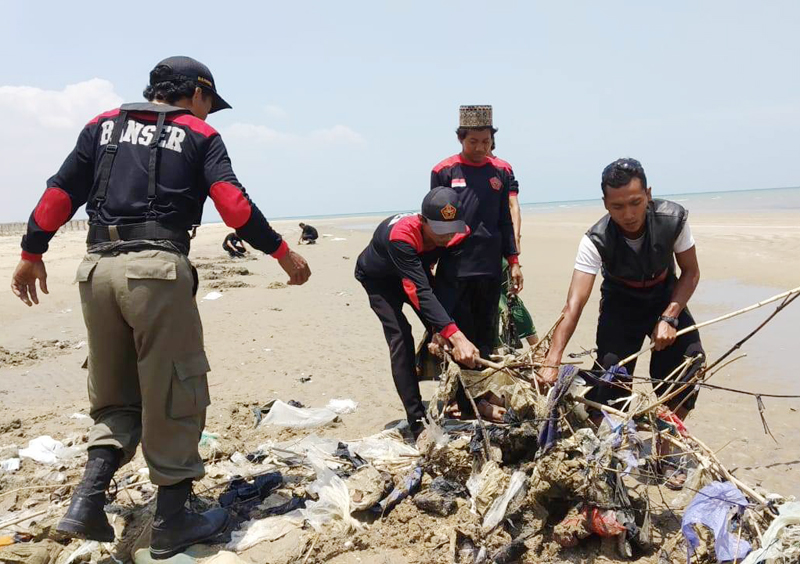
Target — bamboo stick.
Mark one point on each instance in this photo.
(725, 317)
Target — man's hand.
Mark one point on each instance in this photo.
(464, 352)
(515, 271)
(296, 267)
(438, 345)
(663, 335)
(23, 281)
(547, 375)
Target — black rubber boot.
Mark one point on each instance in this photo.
(85, 518)
(176, 528)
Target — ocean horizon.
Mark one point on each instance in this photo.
(753, 200)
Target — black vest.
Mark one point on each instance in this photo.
(653, 267)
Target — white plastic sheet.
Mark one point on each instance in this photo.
(500, 505)
(10, 465)
(212, 296)
(781, 539)
(261, 530)
(47, 450)
(382, 446)
(342, 406)
(284, 415)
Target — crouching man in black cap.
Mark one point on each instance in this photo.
(396, 268)
(636, 245)
(144, 172)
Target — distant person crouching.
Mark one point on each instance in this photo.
(234, 246)
(308, 236)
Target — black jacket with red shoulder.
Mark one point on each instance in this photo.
(483, 190)
(397, 250)
(193, 164)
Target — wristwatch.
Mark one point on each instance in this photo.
(670, 320)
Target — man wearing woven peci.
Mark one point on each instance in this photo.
(468, 281)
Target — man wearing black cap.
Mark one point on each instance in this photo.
(468, 281)
(395, 269)
(144, 172)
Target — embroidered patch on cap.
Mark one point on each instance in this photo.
(449, 212)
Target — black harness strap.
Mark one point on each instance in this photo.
(109, 155)
(152, 168)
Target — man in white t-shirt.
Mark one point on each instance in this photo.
(635, 246)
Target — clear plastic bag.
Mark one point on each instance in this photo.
(333, 505)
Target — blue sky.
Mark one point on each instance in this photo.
(345, 106)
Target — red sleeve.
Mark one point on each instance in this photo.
(66, 191)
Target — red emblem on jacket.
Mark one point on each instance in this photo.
(496, 183)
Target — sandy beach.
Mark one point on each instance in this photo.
(263, 337)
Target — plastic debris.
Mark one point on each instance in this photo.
(333, 504)
(10, 465)
(440, 497)
(208, 439)
(549, 433)
(712, 507)
(410, 486)
(212, 296)
(498, 509)
(511, 552)
(260, 530)
(47, 450)
(343, 452)
(284, 415)
(486, 486)
(79, 416)
(241, 492)
(603, 522)
(781, 540)
(342, 406)
(8, 540)
(86, 548)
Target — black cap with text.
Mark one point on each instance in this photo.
(187, 68)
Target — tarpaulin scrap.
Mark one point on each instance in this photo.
(712, 507)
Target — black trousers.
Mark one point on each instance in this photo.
(386, 298)
(623, 325)
(472, 302)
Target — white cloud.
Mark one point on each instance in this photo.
(60, 109)
(336, 135)
(39, 130)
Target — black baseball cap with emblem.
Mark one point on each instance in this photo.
(187, 68)
(441, 209)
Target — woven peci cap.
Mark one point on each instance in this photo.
(475, 116)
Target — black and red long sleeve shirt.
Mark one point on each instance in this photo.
(483, 190)
(398, 251)
(193, 165)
